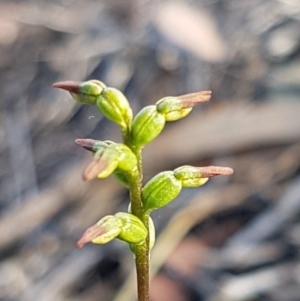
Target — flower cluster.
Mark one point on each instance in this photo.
(123, 159)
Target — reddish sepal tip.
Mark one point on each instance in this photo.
(212, 171)
(86, 143)
(90, 234)
(71, 86)
(192, 99)
(93, 169)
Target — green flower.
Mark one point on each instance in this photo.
(160, 191)
(110, 157)
(122, 225)
(83, 92)
(111, 102)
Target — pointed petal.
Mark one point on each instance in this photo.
(94, 169)
(90, 234)
(86, 143)
(192, 99)
(212, 171)
(71, 86)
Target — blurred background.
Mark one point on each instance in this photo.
(236, 238)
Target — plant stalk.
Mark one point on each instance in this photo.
(142, 250)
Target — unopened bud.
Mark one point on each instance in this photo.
(133, 230)
(160, 191)
(191, 176)
(174, 108)
(127, 159)
(146, 126)
(151, 237)
(122, 225)
(111, 102)
(115, 106)
(110, 157)
(83, 92)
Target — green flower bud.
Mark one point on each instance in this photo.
(114, 105)
(146, 126)
(111, 102)
(83, 92)
(109, 158)
(160, 191)
(123, 226)
(133, 230)
(191, 176)
(151, 237)
(127, 164)
(174, 108)
(127, 159)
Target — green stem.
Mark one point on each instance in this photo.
(142, 271)
(142, 250)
